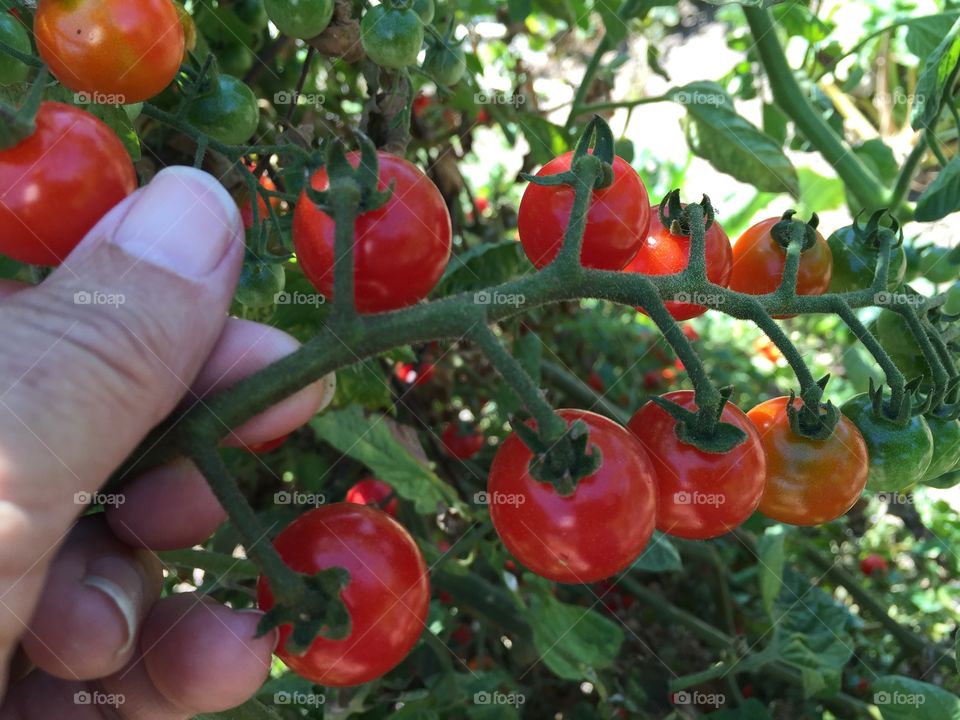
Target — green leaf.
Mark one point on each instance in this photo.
(616, 28)
(250, 710)
(747, 3)
(363, 383)
(775, 123)
(879, 157)
(482, 266)
(519, 9)
(730, 143)
(369, 440)
(799, 21)
(903, 698)
(942, 196)
(752, 709)
(660, 555)
(546, 139)
(933, 78)
(925, 33)
(573, 641)
(819, 193)
(770, 570)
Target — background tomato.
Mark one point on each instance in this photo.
(664, 253)
(227, 111)
(387, 597)
(874, 565)
(402, 248)
(445, 62)
(375, 493)
(808, 481)
(260, 283)
(131, 50)
(391, 37)
(56, 184)
(300, 18)
(855, 262)
(426, 9)
(758, 263)
(617, 222)
(700, 495)
(462, 443)
(13, 33)
(899, 455)
(589, 535)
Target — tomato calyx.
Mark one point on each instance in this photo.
(875, 235)
(788, 229)
(561, 461)
(703, 429)
(898, 414)
(312, 606)
(351, 188)
(600, 136)
(675, 216)
(17, 124)
(814, 419)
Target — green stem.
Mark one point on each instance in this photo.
(581, 393)
(861, 184)
(895, 378)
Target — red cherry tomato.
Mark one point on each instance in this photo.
(809, 482)
(371, 491)
(387, 597)
(664, 253)
(414, 373)
(461, 445)
(700, 495)
(268, 446)
(587, 536)
(56, 184)
(246, 208)
(758, 262)
(401, 249)
(127, 51)
(874, 565)
(616, 223)
(596, 382)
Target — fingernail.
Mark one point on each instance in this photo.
(122, 583)
(184, 221)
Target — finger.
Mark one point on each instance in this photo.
(88, 616)
(10, 287)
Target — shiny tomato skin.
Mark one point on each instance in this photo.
(758, 263)
(56, 184)
(700, 495)
(387, 597)
(809, 482)
(373, 492)
(617, 222)
(664, 253)
(462, 446)
(129, 50)
(401, 249)
(587, 536)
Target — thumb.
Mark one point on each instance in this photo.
(102, 350)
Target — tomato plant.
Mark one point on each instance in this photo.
(855, 262)
(700, 494)
(49, 202)
(300, 18)
(664, 253)
(899, 454)
(13, 33)
(402, 248)
(462, 442)
(387, 597)
(617, 222)
(375, 493)
(809, 481)
(126, 52)
(392, 36)
(758, 262)
(227, 111)
(589, 535)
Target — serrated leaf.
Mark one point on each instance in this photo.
(660, 555)
(933, 78)
(903, 698)
(942, 196)
(771, 562)
(572, 641)
(370, 441)
(730, 143)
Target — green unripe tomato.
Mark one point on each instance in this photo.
(227, 112)
(945, 481)
(946, 446)
(855, 262)
(952, 306)
(391, 37)
(899, 455)
(446, 64)
(252, 12)
(260, 283)
(235, 59)
(426, 9)
(13, 33)
(624, 148)
(935, 266)
(300, 18)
